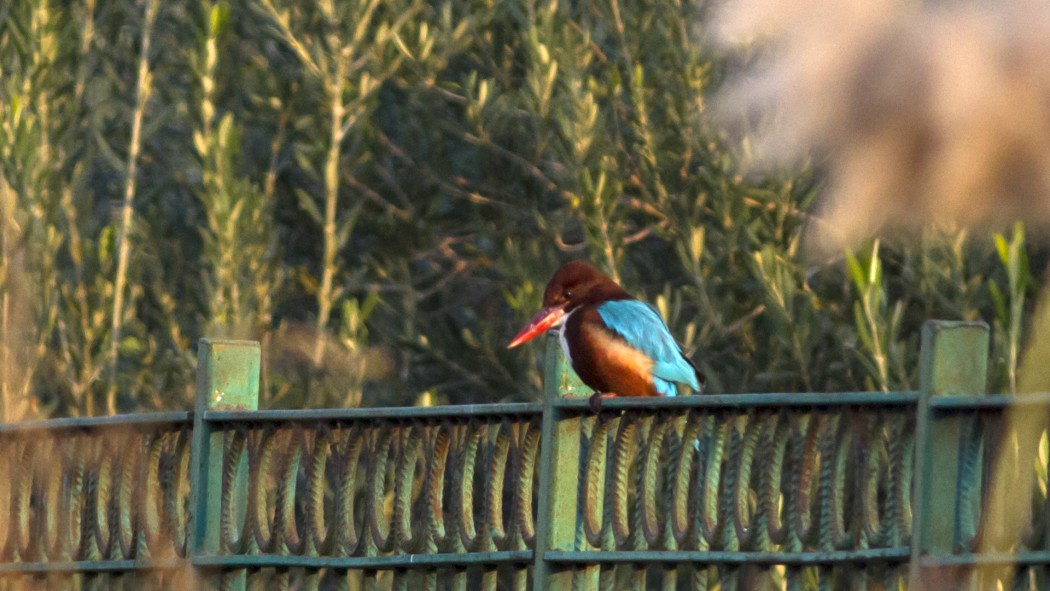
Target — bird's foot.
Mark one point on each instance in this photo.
(595, 401)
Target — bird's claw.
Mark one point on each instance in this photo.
(595, 401)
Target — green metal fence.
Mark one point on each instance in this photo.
(755, 491)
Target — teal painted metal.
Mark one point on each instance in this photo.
(693, 492)
(742, 401)
(227, 379)
(394, 561)
(954, 361)
(348, 414)
(383, 493)
(686, 489)
(559, 470)
(868, 557)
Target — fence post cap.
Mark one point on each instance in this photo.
(228, 374)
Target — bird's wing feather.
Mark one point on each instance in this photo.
(643, 328)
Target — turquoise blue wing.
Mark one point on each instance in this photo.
(642, 327)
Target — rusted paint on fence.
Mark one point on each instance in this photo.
(803, 490)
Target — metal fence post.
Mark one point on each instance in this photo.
(953, 361)
(559, 471)
(227, 379)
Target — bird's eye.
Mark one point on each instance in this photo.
(568, 293)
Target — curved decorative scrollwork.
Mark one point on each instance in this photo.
(370, 488)
(760, 480)
(106, 493)
(800, 495)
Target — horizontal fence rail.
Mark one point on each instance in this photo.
(854, 490)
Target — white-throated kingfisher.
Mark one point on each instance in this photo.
(618, 345)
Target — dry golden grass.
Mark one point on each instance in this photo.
(923, 112)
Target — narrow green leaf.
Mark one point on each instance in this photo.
(309, 206)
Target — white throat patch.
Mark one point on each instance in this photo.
(561, 335)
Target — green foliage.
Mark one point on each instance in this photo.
(1010, 306)
(878, 324)
(239, 242)
(378, 191)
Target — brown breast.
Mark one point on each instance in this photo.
(604, 360)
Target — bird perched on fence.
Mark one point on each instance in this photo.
(618, 345)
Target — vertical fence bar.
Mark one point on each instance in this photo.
(953, 361)
(227, 379)
(557, 509)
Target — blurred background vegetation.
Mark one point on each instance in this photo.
(378, 192)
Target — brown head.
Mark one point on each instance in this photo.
(575, 284)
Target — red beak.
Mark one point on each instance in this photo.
(543, 321)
